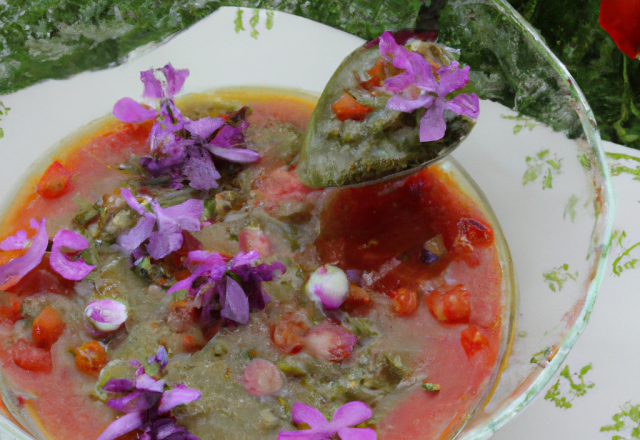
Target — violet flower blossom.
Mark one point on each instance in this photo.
(144, 406)
(182, 148)
(161, 358)
(349, 414)
(13, 271)
(417, 87)
(167, 222)
(105, 316)
(233, 288)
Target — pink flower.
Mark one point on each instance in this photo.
(417, 87)
(349, 414)
(62, 263)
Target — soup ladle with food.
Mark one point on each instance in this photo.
(390, 109)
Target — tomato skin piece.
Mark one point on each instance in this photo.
(451, 305)
(358, 299)
(91, 358)
(473, 341)
(31, 358)
(55, 181)
(348, 108)
(405, 301)
(288, 335)
(10, 314)
(472, 233)
(47, 328)
(376, 76)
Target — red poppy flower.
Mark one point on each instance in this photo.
(621, 20)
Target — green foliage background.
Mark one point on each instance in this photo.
(56, 38)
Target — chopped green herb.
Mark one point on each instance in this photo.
(431, 386)
(627, 419)
(577, 388)
(584, 161)
(556, 277)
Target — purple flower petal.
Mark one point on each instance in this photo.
(14, 270)
(152, 86)
(121, 426)
(163, 242)
(203, 127)
(464, 104)
(452, 78)
(128, 110)
(135, 402)
(407, 105)
(130, 241)
(161, 357)
(186, 215)
(242, 261)
(16, 241)
(428, 257)
(301, 413)
(236, 304)
(179, 395)
(132, 201)
(118, 386)
(432, 124)
(230, 136)
(201, 172)
(352, 413)
(61, 263)
(175, 80)
(106, 315)
(240, 155)
(357, 434)
(144, 382)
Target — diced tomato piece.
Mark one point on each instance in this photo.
(357, 299)
(405, 301)
(55, 181)
(288, 334)
(10, 314)
(91, 358)
(472, 233)
(473, 341)
(348, 108)
(376, 76)
(254, 239)
(190, 344)
(47, 328)
(450, 305)
(330, 342)
(31, 358)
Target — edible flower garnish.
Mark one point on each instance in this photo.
(417, 87)
(161, 358)
(233, 288)
(146, 405)
(105, 315)
(167, 222)
(328, 285)
(349, 414)
(180, 147)
(14, 270)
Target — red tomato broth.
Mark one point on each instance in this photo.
(362, 228)
(366, 228)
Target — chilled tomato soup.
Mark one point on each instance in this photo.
(183, 283)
